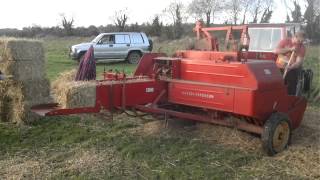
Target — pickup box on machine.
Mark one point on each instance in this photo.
(120, 45)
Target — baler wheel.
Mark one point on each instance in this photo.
(276, 134)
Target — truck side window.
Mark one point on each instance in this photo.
(136, 38)
(111, 40)
(122, 39)
(107, 39)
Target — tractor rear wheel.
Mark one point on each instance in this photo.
(276, 134)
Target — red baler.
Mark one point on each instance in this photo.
(205, 85)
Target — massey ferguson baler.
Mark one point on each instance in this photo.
(205, 85)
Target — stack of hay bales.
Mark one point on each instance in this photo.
(74, 94)
(24, 61)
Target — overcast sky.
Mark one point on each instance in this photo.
(45, 13)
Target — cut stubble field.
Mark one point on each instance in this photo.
(94, 147)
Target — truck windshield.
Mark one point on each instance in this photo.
(264, 39)
(96, 39)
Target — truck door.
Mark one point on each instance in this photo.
(105, 47)
(121, 46)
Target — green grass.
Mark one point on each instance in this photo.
(56, 140)
(312, 61)
(57, 50)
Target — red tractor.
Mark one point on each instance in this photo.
(206, 84)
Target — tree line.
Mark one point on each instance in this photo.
(177, 14)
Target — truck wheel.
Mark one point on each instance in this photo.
(81, 57)
(276, 134)
(134, 57)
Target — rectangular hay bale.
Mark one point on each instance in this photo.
(73, 94)
(36, 90)
(17, 98)
(23, 59)
(32, 90)
(12, 49)
(22, 71)
(10, 101)
(76, 94)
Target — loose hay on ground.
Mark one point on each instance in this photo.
(78, 160)
(153, 128)
(228, 136)
(302, 159)
(20, 168)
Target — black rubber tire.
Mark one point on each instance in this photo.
(81, 57)
(134, 57)
(150, 45)
(308, 77)
(269, 133)
(300, 85)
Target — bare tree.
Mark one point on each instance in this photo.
(195, 10)
(120, 19)
(207, 8)
(296, 12)
(246, 8)
(156, 26)
(171, 10)
(67, 25)
(256, 9)
(175, 12)
(260, 6)
(316, 6)
(235, 8)
(312, 18)
(266, 16)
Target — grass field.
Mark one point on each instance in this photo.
(312, 61)
(58, 61)
(94, 147)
